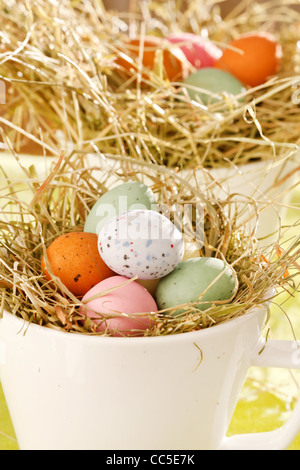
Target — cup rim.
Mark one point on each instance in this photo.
(255, 310)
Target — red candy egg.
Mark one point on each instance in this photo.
(199, 52)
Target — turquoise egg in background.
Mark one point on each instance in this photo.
(127, 196)
(211, 277)
(215, 81)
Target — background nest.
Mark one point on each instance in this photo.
(32, 217)
(65, 88)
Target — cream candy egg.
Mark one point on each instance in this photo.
(122, 297)
(126, 196)
(141, 243)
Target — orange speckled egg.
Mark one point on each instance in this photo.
(174, 61)
(75, 259)
(258, 58)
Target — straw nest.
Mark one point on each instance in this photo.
(31, 220)
(65, 88)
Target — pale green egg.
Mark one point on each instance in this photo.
(215, 81)
(127, 196)
(208, 280)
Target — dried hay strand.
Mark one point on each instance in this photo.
(65, 89)
(30, 221)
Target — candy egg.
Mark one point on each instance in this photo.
(208, 280)
(173, 60)
(127, 196)
(215, 82)
(74, 258)
(199, 52)
(141, 243)
(255, 58)
(124, 297)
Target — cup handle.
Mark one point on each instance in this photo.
(271, 353)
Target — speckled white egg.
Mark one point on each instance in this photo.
(141, 243)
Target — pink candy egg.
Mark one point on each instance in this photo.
(199, 52)
(129, 299)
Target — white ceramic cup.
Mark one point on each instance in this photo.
(73, 391)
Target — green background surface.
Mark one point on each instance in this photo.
(268, 395)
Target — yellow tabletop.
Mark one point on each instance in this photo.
(268, 395)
